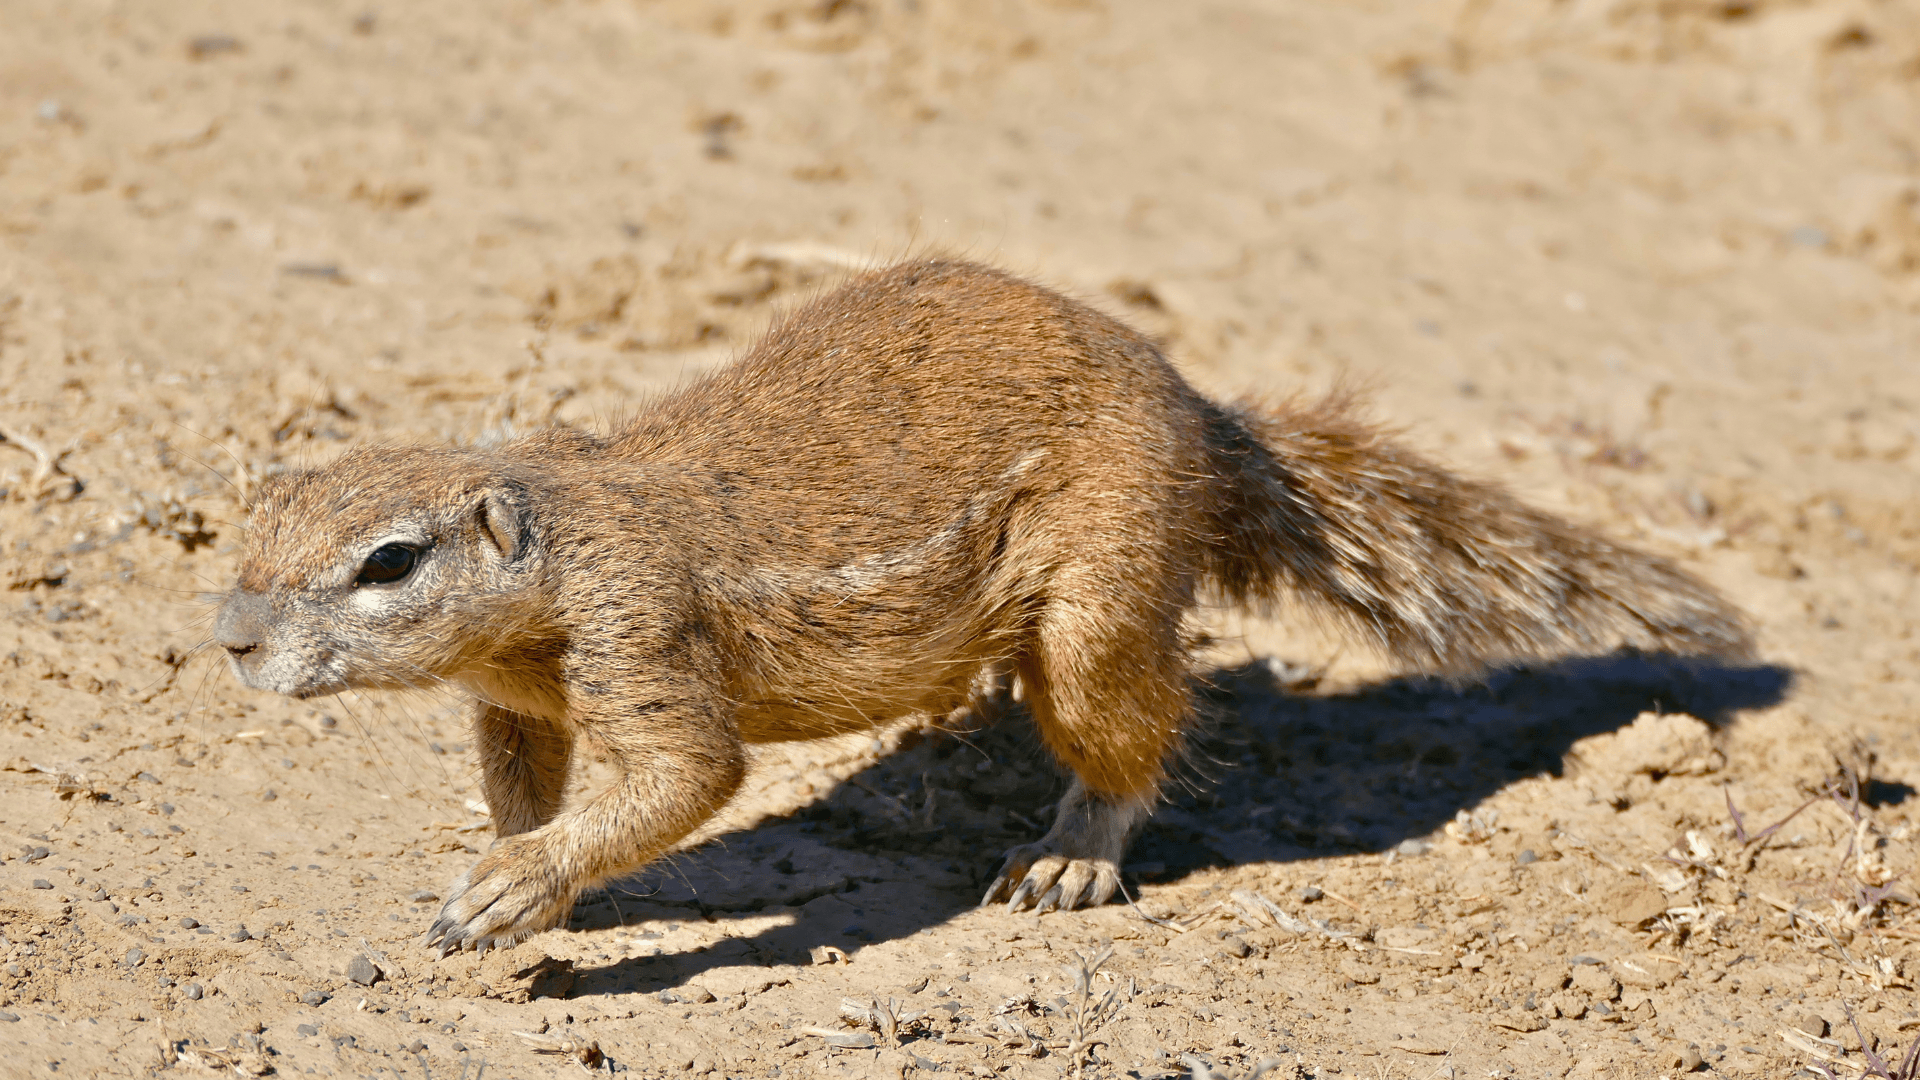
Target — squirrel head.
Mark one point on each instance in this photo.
(372, 572)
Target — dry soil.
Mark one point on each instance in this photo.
(1656, 263)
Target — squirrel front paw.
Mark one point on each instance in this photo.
(512, 893)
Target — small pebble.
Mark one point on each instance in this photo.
(314, 998)
(1810, 1022)
(135, 958)
(148, 777)
(238, 888)
(194, 992)
(16, 970)
(42, 883)
(7, 1017)
(361, 970)
(423, 895)
(308, 1030)
(189, 922)
(206, 45)
(1526, 856)
(241, 934)
(416, 1047)
(1809, 236)
(1311, 893)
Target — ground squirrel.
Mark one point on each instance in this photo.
(932, 476)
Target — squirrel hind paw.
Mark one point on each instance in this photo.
(1046, 881)
(1077, 864)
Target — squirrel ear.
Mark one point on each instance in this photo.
(502, 523)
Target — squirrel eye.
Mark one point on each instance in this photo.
(387, 564)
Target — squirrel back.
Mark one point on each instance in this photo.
(958, 383)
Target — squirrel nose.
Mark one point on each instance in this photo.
(241, 624)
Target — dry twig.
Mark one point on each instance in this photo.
(47, 479)
(1086, 1010)
(581, 1051)
(887, 1018)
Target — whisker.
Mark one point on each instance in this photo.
(244, 484)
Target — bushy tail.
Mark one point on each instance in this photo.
(1441, 572)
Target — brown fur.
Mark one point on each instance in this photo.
(933, 472)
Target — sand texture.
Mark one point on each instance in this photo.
(1654, 263)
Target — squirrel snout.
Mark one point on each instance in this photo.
(241, 625)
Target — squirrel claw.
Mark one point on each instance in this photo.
(443, 942)
(1052, 882)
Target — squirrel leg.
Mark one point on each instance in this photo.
(1107, 689)
(523, 767)
(678, 769)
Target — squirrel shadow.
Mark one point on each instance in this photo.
(1278, 773)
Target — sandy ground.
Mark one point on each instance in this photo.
(1654, 262)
